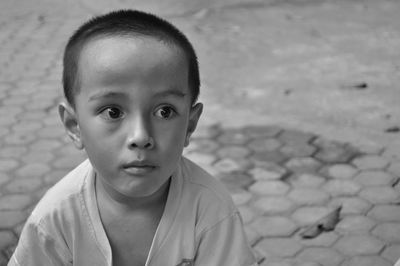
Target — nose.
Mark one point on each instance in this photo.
(139, 135)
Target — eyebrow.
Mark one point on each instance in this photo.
(112, 94)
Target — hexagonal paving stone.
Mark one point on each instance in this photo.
(233, 137)
(370, 162)
(303, 165)
(211, 131)
(309, 215)
(233, 152)
(284, 247)
(252, 235)
(374, 178)
(231, 165)
(201, 158)
(386, 213)
(334, 154)
(54, 131)
(45, 145)
(306, 180)
(246, 213)
(293, 136)
(353, 245)
(273, 205)
(23, 185)
(268, 144)
(325, 239)
(351, 205)
(21, 138)
(241, 197)
(394, 168)
(33, 170)
(236, 180)
(388, 231)
(14, 202)
(261, 131)
(308, 196)
(11, 218)
(367, 261)
(274, 226)
(32, 157)
(392, 253)
(379, 195)
(204, 145)
(274, 173)
(6, 239)
(355, 224)
(268, 156)
(269, 188)
(298, 149)
(12, 151)
(68, 162)
(322, 255)
(338, 187)
(4, 178)
(342, 171)
(8, 164)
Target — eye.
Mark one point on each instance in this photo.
(165, 112)
(111, 113)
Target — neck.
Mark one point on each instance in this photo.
(120, 202)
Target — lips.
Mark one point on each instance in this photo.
(139, 167)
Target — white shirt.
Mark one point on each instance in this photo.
(200, 225)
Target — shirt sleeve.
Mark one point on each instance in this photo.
(36, 248)
(225, 244)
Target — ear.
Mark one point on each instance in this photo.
(194, 116)
(70, 121)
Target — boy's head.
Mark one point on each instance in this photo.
(131, 82)
(125, 23)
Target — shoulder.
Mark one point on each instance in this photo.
(62, 196)
(212, 199)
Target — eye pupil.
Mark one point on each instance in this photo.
(114, 112)
(165, 112)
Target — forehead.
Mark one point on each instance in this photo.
(123, 58)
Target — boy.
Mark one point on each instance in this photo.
(131, 82)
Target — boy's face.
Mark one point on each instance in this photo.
(133, 114)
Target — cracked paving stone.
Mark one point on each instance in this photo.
(392, 253)
(273, 205)
(386, 213)
(355, 224)
(374, 178)
(325, 239)
(274, 226)
(369, 162)
(298, 150)
(233, 152)
(323, 255)
(33, 170)
(269, 188)
(367, 261)
(303, 165)
(11, 218)
(260, 145)
(306, 180)
(308, 215)
(284, 247)
(6, 238)
(389, 232)
(14, 202)
(342, 171)
(308, 196)
(380, 195)
(338, 187)
(353, 245)
(23, 185)
(261, 131)
(351, 205)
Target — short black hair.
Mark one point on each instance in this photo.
(125, 23)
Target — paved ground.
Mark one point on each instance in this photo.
(296, 80)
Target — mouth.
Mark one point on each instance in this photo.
(138, 168)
